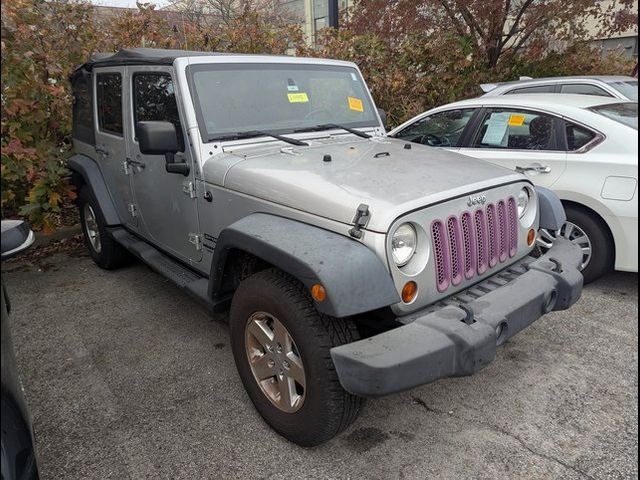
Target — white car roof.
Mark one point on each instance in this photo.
(501, 86)
(555, 102)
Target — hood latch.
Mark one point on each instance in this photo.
(360, 220)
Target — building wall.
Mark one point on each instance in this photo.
(313, 15)
(625, 42)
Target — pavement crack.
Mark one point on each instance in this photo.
(502, 431)
(423, 404)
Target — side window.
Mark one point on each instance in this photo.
(109, 101)
(442, 129)
(154, 99)
(583, 89)
(82, 108)
(577, 137)
(516, 129)
(534, 89)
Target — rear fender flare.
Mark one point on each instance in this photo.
(90, 173)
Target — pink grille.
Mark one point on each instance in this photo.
(470, 244)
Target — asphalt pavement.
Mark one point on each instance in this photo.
(128, 377)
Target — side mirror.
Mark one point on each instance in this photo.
(16, 237)
(161, 138)
(383, 117)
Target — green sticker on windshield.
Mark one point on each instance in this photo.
(297, 97)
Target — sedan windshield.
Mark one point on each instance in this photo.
(629, 89)
(625, 113)
(234, 99)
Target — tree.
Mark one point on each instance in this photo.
(495, 29)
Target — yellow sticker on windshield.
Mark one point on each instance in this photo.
(355, 104)
(298, 97)
(516, 120)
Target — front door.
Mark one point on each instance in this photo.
(111, 131)
(165, 201)
(520, 139)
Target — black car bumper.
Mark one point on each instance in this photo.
(459, 340)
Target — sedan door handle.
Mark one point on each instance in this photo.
(534, 169)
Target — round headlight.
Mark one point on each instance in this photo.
(523, 201)
(403, 244)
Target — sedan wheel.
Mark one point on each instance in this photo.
(571, 232)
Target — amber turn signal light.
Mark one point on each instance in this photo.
(409, 292)
(531, 237)
(318, 292)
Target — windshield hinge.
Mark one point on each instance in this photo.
(196, 240)
(360, 220)
(188, 188)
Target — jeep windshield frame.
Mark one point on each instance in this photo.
(231, 99)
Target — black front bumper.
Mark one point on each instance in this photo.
(459, 340)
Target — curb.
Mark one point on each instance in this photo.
(60, 234)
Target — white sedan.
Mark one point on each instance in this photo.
(583, 147)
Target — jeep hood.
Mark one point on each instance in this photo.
(332, 176)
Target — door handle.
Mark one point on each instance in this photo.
(534, 169)
(102, 150)
(135, 162)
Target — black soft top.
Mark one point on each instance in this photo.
(139, 56)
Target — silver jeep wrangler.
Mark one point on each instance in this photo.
(352, 265)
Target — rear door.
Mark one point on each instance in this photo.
(110, 143)
(525, 140)
(166, 201)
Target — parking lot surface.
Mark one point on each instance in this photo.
(127, 377)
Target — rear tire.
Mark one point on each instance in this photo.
(104, 250)
(322, 408)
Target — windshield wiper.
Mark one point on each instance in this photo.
(329, 126)
(258, 133)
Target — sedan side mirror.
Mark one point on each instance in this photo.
(16, 237)
(383, 117)
(161, 138)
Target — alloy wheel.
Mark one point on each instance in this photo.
(275, 361)
(571, 232)
(91, 228)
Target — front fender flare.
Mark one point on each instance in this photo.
(355, 279)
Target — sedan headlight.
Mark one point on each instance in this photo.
(523, 201)
(403, 244)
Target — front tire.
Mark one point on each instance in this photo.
(104, 250)
(281, 345)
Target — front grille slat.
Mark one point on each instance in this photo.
(441, 255)
(512, 212)
(455, 249)
(503, 232)
(469, 239)
(468, 245)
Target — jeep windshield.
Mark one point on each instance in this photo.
(232, 100)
